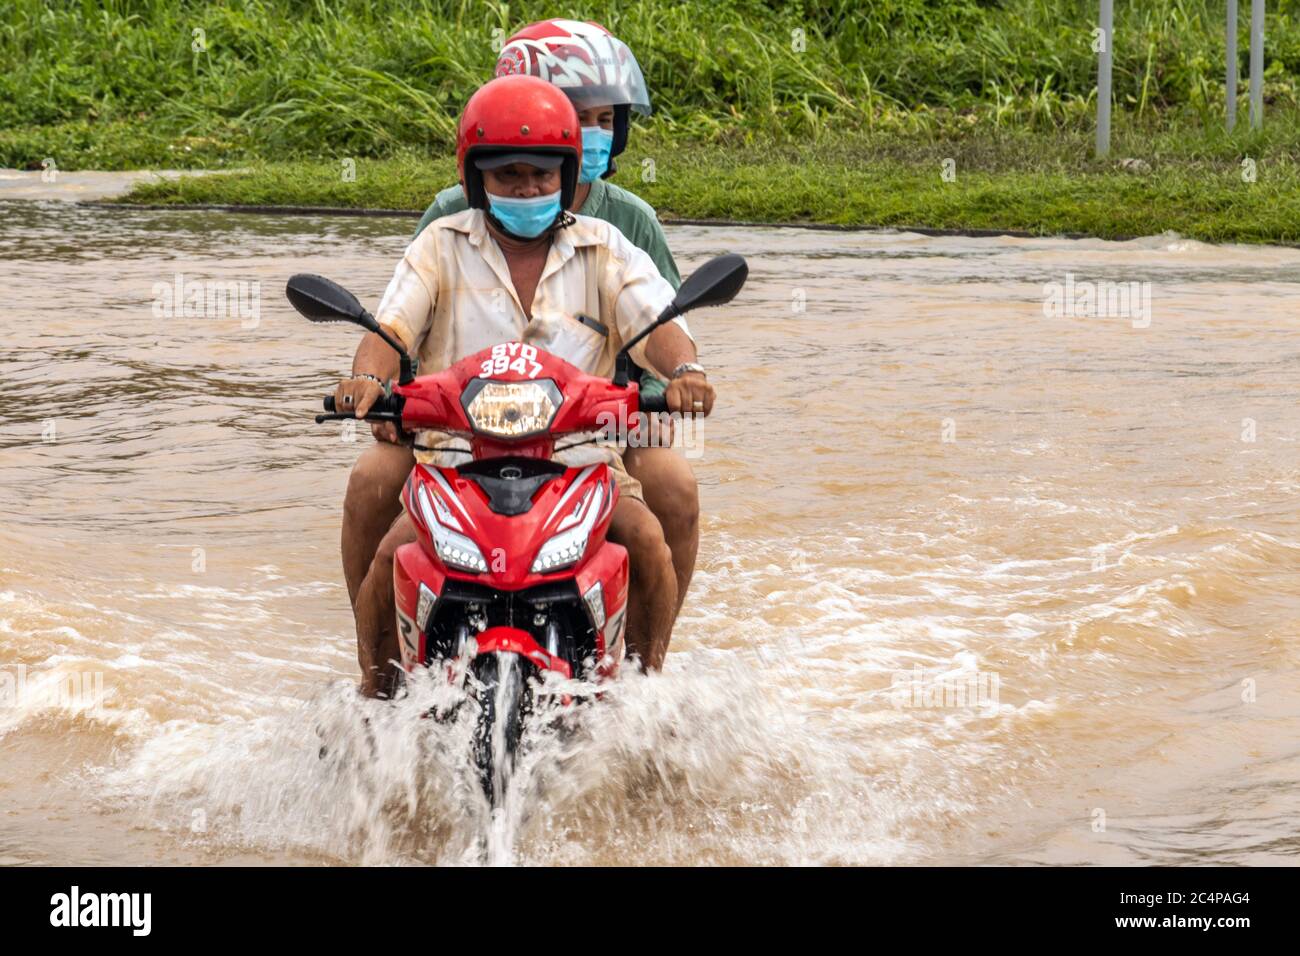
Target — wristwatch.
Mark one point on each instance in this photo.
(689, 367)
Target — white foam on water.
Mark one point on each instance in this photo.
(654, 769)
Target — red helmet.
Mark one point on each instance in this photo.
(587, 62)
(523, 117)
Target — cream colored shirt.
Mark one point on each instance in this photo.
(452, 296)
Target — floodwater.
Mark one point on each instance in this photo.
(981, 581)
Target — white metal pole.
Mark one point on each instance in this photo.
(1103, 79)
(1256, 64)
(1232, 64)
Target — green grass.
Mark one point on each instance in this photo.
(815, 110)
(1011, 183)
(117, 82)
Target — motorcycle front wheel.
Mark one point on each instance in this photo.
(504, 696)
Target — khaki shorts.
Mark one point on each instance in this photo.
(628, 486)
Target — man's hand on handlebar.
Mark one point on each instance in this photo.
(357, 395)
(689, 393)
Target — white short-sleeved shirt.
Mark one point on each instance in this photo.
(452, 296)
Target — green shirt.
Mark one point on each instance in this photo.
(627, 211)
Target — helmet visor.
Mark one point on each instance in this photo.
(497, 160)
(593, 69)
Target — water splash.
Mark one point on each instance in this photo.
(660, 768)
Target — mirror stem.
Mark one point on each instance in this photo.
(623, 364)
(406, 375)
(622, 368)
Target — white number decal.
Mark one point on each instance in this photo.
(525, 364)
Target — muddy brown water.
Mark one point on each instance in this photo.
(980, 581)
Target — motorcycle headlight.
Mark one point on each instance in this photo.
(512, 409)
(453, 547)
(566, 546)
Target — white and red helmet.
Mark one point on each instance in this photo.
(582, 58)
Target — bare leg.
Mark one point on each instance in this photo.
(372, 502)
(652, 589)
(376, 612)
(671, 492)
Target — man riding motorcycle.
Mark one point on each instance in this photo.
(604, 82)
(515, 266)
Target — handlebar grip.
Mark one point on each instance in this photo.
(383, 404)
(653, 403)
(387, 408)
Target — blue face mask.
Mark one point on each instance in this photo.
(596, 145)
(528, 218)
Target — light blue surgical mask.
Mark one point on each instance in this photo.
(528, 218)
(596, 145)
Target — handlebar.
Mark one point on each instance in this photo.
(654, 403)
(388, 408)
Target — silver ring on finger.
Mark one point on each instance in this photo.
(347, 399)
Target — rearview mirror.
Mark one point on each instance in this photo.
(714, 283)
(323, 300)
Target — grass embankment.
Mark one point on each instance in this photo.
(809, 110)
(847, 183)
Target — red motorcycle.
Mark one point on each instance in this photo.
(511, 577)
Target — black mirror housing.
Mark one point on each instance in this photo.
(715, 283)
(323, 300)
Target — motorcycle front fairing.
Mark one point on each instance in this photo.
(512, 551)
